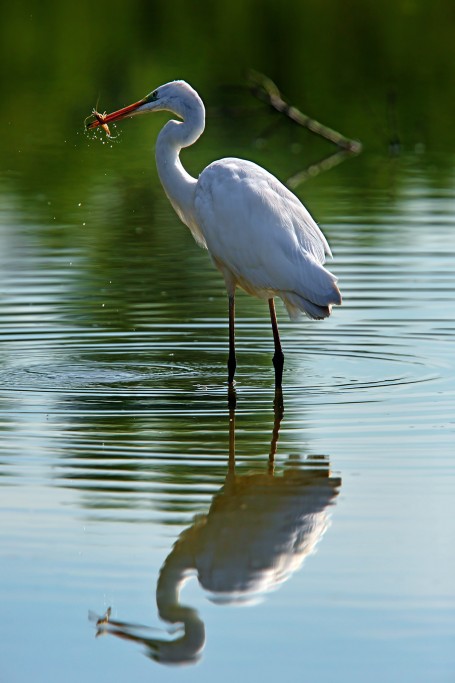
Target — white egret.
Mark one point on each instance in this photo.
(258, 233)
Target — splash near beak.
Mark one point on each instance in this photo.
(115, 116)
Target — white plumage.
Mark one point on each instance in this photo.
(262, 238)
(258, 233)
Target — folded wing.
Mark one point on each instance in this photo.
(263, 239)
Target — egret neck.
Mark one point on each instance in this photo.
(177, 183)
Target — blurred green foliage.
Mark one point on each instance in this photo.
(356, 63)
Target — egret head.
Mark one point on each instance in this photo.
(177, 97)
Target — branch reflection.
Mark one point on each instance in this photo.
(258, 530)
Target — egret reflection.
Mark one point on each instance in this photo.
(259, 529)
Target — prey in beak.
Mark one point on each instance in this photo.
(100, 119)
(103, 119)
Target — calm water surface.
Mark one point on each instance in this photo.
(125, 480)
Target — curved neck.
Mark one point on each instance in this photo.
(173, 575)
(177, 183)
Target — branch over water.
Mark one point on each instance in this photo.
(264, 89)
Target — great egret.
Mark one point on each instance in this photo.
(258, 233)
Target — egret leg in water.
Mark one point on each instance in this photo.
(278, 356)
(258, 233)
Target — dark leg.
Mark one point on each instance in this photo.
(232, 363)
(278, 356)
(232, 396)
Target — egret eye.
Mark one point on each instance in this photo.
(151, 96)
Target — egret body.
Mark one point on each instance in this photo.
(257, 232)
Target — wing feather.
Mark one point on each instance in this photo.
(261, 233)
